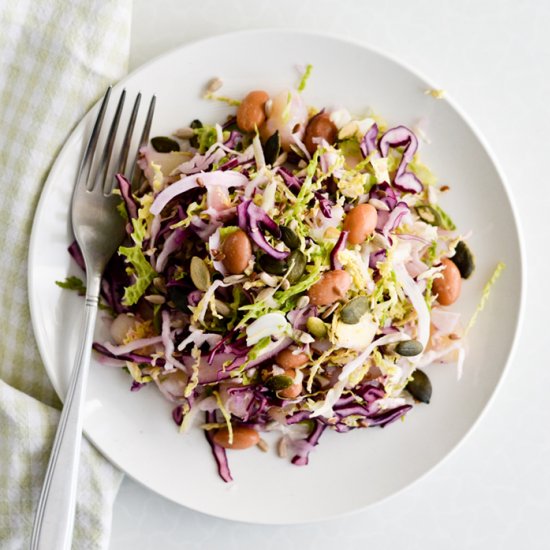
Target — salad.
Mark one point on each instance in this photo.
(285, 270)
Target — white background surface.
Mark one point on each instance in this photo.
(493, 57)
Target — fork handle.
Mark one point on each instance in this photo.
(54, 519)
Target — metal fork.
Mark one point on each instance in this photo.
(98, 229)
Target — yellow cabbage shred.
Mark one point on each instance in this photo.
(226, 415)
(485, 295)
(194, 380)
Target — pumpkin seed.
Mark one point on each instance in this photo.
(279, 382)
(409, 348)
(194, 140)
(271, 148)
(178, 297)
(420, 386)
(200, 274)
(155, 299)
(290, 238)
(464, 260)
(163, 144)
(355, 309)
(160, 284)
(428, 214)
(271, 265)
(316, 327)
(297, 260)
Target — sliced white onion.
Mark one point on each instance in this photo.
(268, 201)
(271, 324)
(214, 242)
(133, 345)
(220, 178)
(258, 152)
(414, 294)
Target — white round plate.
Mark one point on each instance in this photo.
(347, 472)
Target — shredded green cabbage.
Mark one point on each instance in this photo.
(485, 295)
(305, 77)
(141, 269)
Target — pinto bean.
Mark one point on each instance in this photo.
(331, 287)
(237, 251)
(251, 111)
(319, 127)
(288, 360)
(360, 222)
(448, 287)
(292, 392)
(243, 437)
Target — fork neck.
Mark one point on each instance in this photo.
(93, 283)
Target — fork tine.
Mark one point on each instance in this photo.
(103, 167)
(135, 174)
(88, 157)
(123, 157)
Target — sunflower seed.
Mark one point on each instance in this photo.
(265, 294)
(282, 450)
(222, 308)
(233, 279)
(328, 312)
(303, 301)
(214, 85)
(306, 338)
(262, 445)
(184, 133)
(269, 280)
(156, 299)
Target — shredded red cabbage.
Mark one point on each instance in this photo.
(219, 452)
(335, 263)
(325, 204)
(397, 137)
(302, 459)
(126, 191)
(368, 143)
(292, 182)
(253, 219)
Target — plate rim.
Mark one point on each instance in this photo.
(407, 67)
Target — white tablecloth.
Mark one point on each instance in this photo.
(494, 57)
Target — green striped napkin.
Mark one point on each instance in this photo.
(56, 60)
